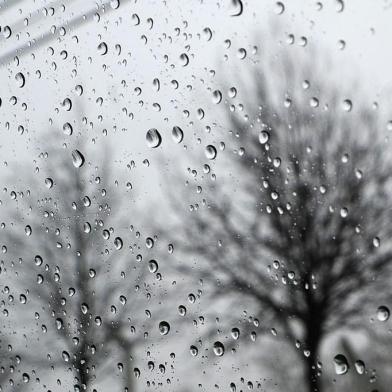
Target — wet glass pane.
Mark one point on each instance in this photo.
(195, 195)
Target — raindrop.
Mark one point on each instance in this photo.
(184, 59)
(182, 310)
(115, 4)
(164, 327)
(241, 53)
(77, 158)
(153, 138)
(19, 77)
(219, 349)
(177, 134)
(102, 48)
(194, 351)
(210, 152)
(152, 266)
(359, 366)
(347, 105)
(339, 6)
(67, 104)
(28, 230)
(383, 313)
(263, 137)
(279, 8)
(341, 364)
(235, 333)
(236, 8)
(26, 378)
(118, 243)
(67, 129)
(48, 182)
(7, 31)
(216, 97)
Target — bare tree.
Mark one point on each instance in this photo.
(298, 219)
(70, 242)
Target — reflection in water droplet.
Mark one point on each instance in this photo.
(341, 364)
(77, 158)
(383, 313)
(153, 138)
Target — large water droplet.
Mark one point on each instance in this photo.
(219, 349)
(164, 327)
(19, 77)
(236, 8)
(341, 364)
(177, 134)
(77, 158)
(383, 313)
(210, 152)
(153, 138)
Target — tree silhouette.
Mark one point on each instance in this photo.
(298, 219)
(81, 277)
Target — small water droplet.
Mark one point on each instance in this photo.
(177, 134)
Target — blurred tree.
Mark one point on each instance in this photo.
(76, 267)
(298, 219)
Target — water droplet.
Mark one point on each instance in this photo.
(263, 137)
(19, 77)
(118, 243)
(153, 138)
(102, 48)
(115, 4)
(177, 134)
(164, 327)
(65, 356)
(236, 8)
(279, 8)
(216, 97)
(344, 212)
(341, 364)
(339, 5)
(235, 333)
(376, 242)
(67, 104)
(77, 158)
(184, 59)
(383, 313)
(347, 105)
(67, 129)
(359, 366)
(26, 378)
(219, 349)
(38, 260)
(210, 152)
(182, 310)
(7, 32)
(152, 266)
(194, 351)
